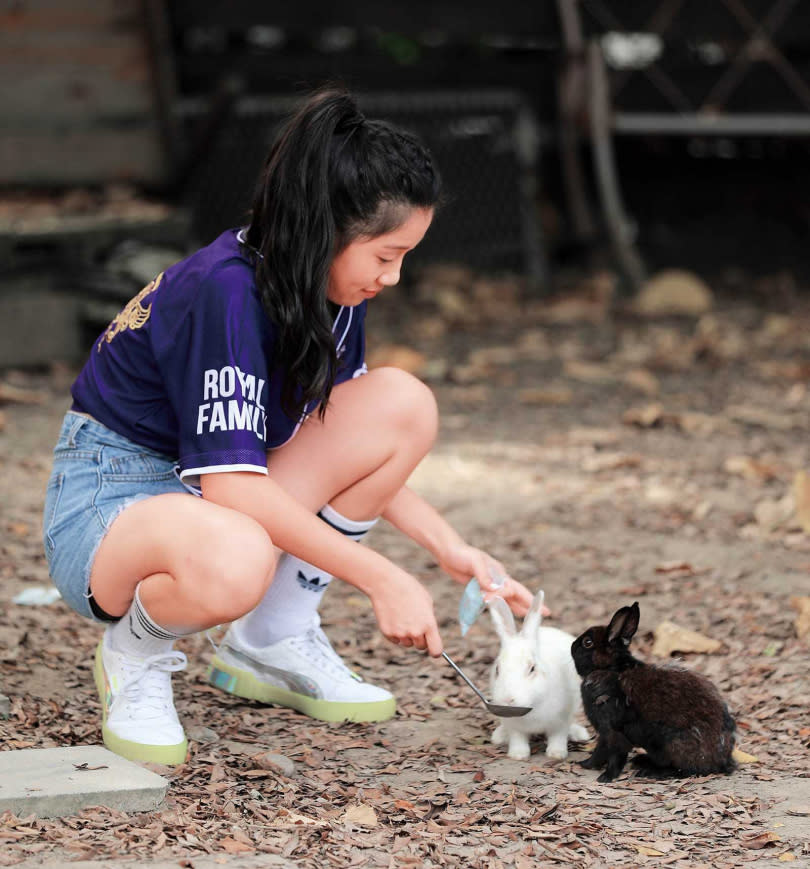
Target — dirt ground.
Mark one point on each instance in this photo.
(603, 456)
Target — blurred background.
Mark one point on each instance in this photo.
(574, 136)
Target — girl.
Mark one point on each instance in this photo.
(238, 375)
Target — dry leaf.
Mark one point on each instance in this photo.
(761, 417)
(397, 356)
(231, 846)
(759, 841)
(743, 757)
(801, 497)
(588, 372)
(750, 469)
(643, 380)
(649, 852)
(361, 815)
(802, 622)
(545, 396)
(645, 417)
(670, 638)
(787, 857)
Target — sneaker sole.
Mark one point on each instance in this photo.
(168, 755)
(242, 683)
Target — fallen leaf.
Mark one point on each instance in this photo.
(787, 857)
(644, 417)
(801, 497)
(231, 846)
(643, 381)
(759, 841)
(802, 622)
(361, 815)
(397, 356)
(799, 811)
(670, 638)
(743, 757)
(542, 397)
(750, 469)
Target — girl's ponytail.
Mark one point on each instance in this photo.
(330, 177)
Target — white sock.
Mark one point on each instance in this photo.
(137, 635)
(293, 598)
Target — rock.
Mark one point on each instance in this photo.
(674, 291)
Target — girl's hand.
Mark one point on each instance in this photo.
(404, 611)
(463, 562)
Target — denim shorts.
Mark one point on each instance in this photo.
(96, 474)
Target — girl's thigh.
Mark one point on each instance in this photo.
(116, 513)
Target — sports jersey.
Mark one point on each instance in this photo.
(184, 368)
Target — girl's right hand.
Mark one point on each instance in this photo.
(404, 611)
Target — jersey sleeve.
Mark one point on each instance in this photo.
(216, 373)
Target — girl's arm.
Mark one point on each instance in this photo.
(413, 516)
(402, 606)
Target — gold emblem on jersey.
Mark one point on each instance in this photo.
(133, 315)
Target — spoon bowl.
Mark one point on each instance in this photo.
(494, 708)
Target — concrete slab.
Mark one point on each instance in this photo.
(56, 782)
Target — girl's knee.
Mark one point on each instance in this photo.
(409, 402)
(237, 570)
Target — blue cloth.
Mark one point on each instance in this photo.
(185, 367)
(96, 474)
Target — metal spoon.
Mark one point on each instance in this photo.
(494, 708)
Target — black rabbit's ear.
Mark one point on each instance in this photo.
(624, 624)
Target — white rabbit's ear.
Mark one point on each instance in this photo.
(502, 618)
(534, 617)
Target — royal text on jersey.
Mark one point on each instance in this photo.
(232, 401)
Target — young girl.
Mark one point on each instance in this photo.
(226, 446)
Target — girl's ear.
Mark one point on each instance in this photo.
(502, 618)
(534, 617)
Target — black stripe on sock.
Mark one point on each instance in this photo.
(147, 625)
(355, 535)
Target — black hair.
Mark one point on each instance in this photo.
(331, 176)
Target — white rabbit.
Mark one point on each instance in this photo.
(535, 668)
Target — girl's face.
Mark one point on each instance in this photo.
(367, 265)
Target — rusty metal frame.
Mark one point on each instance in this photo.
(596, 93)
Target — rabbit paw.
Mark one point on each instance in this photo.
(577, 733)
(519, 747)
(499, 735)
(557, 749)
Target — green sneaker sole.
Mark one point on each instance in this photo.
(242, 683)
(168, 755)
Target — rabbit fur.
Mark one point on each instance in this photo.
(678, 717)
(534, 668)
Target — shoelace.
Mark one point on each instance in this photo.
(315, 640)
(148, 683)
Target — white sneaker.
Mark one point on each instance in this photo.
(303, 672)
(139, 719)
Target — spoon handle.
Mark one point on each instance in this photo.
(460, 672)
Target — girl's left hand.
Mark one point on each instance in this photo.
(463, 562)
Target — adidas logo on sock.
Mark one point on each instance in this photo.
(311, 584)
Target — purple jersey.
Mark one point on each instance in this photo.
(184, 368)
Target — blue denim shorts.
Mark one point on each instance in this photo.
(96, 474)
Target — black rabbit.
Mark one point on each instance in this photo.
(676, 716)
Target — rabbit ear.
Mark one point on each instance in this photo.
(624, 624)
(502, 618)
(534, 616)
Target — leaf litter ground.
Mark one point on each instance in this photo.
(601, 456)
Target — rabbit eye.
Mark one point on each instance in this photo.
(532, 668)
(587, 643)
(497, 669)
